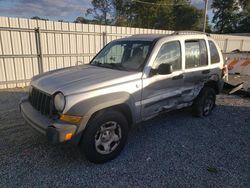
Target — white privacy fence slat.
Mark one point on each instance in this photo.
(29, 47)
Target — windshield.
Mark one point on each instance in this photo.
(123, 55)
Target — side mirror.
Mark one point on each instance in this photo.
(165, 69)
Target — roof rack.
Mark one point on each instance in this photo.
(190, 32)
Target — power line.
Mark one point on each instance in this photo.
(160, 4)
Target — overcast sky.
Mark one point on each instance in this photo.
(66, 10)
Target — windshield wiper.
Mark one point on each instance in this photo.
(99, 64)
(117, 66)
(96, 63)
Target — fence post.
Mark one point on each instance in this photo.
(241, 45)
(225, 45)
(39, 50)
(104, 38)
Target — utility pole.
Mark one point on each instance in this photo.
(205, 16)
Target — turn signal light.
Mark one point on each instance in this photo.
(70, 119)
(68, 136)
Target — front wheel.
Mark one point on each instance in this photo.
(205, 102)
(105, 136)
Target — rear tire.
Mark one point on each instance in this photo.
(204, 102)
(105, 136)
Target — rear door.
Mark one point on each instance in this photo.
(162, 92)
(196, 67)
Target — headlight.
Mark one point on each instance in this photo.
(59, 102)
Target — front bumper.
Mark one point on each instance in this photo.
(55, 131)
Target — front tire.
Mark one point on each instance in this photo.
(205, 102)
(105, 136)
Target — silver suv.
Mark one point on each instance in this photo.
(129, 81)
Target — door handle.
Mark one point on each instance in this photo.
(205, 71)
(181, 76)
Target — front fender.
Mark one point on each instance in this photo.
(88, 107)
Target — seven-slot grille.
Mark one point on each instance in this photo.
(40, 101)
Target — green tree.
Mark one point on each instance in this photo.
(81, 20)
(123, 12)
(187, 17)
(119, 12)
(157, 14)
(102, 11)
(85, 20)
(38, 18)
(164, 14)
(226, 15)
(244, 17)
(151, 14)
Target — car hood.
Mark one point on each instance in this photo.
(81, 79)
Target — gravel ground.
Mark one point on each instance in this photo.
(173, 150)
(237, 79)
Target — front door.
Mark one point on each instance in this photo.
(163, 92)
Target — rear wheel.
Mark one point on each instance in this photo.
(205, 102)
(105, 136)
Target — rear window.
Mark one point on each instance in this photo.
(215, 57)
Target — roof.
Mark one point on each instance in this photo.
(152, 37)
(149, 37)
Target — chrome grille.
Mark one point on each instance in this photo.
(40, 101)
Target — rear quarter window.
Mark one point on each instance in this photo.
(214, 54)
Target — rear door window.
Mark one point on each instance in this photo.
(214, 54)
(196, 53)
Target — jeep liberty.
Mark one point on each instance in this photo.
(129, 81)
